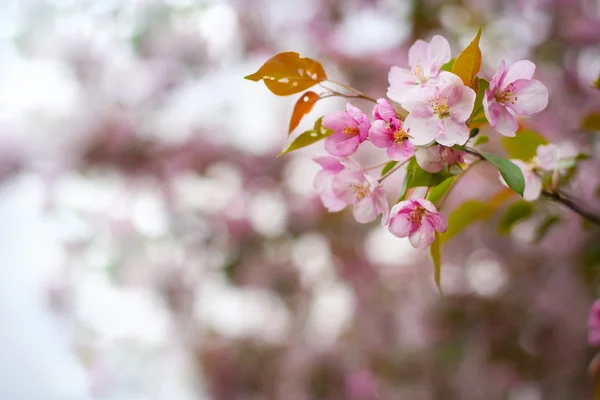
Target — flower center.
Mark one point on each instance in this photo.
(440, 106)
(400, 135)
(360, 191)
(418, 72)
(351, 130)
(416, 216)
(507, 95)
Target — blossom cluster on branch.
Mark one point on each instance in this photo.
(433, 131)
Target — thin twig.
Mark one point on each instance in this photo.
(558, 198)
(396, 168)
(351, 89)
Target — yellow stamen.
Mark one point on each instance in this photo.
(360, 191)
(440, 106)
(416, 215)
(507, 95)
(351, 130)
(400, 136)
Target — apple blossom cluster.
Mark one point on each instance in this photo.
(434, 133)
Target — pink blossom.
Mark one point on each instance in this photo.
(435, 158)
(425, 61)
(547, 157)
(386, 132)
(353, 186)
(323, 180)
(350, 128)
(594, 324)
(439, 112)
(512, 92)
(419, 220)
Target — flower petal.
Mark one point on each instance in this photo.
(418, 101)
(365, 210)
(403, 207)
(438, 221)
(429, 159)
(343, 182)
(452, 133)
(461, 100)
(333, 204)
(401, 151)
(361, 119)
(506, 123)
(531, 97)
(329, 163)
(423, 236)
(547, 156)
(417, 54)
(340, 145)
(338, 121)
(426, 204)
(400, 226)
(533, 186)
(384, 110)
(523, 69)
(490, 113)
(380, 135)
(422, 130)
(438, 54)
(381, 204)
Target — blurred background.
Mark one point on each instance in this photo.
(153, 246)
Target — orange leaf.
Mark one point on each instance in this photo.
(287, 73)
(468, 62)
(303, 106)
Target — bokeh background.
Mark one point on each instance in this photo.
(154, 247)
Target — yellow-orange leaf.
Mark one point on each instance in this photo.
(303, 106)
(468, 62)
(287, 73)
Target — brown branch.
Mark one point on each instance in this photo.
(558, 198)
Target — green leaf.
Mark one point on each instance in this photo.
(410, 171)
(464, 215)
(437, 192)
(481, 140)
(422, 178)
(309, 137)
(418, 177)
(388, 167)
(436, 255)
(468, 62)
(591, 122)
(517, 212)
(474, 132)
(545, 227)
(448, 66)
(524, 145)
(510, 172)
